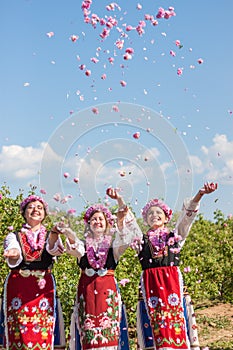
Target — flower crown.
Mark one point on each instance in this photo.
(101, 208)
(157, 203)
(33, 198)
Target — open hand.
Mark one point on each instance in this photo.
(12, 253)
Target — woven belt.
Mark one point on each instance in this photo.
(101, 272)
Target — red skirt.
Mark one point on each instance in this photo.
(162, 290)
(99, 311)
(29, 310)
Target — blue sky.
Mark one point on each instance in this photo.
(56, 120)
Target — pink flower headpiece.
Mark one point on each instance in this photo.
(100, 208)
(33, 198)
(157, 203)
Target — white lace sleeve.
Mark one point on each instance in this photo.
(125, 237)
(186, 218)
(76, 249)
(58, 248)
(11, 243)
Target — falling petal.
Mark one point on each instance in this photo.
(94, 60)
(200, 60)
(74, 38)
(136, 135)
(95, 110)
(88, 73)
(179, 71)
(71, 211)
(123, 83)
(172, 53)
(50, 34)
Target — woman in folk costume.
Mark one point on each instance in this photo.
(29, 299)
(165, 316)
(98, 320)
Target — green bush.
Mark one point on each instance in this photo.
(207, 252)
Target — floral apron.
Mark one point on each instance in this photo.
(164, 303)
(29, 303)
(29, 311)
(99, 311)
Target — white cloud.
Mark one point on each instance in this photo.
(20, 163)
(197, 165)
(216, 161)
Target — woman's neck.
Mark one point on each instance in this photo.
(98, 238)
(34, 226)
(160, 227)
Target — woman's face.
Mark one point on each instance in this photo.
(34, 213)
(156, 217)
(98, 223)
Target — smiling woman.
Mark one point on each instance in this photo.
(165, 315)
(98, 320)
(30, 307)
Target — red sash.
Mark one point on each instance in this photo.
(162, 294)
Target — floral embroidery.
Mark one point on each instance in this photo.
(167, 315)
(102, 328)
(41, 317)
(173, 299)
(153, 302)
(16, 303)
(44, 304)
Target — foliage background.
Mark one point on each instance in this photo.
(207, 255)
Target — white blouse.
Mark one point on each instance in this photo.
(182, 227)
(12, 242)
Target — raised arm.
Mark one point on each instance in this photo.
(128, 228)
(190, 210)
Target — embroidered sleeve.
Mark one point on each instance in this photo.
(127, 235)
(76, 249)
(186, 218)
(11, 243)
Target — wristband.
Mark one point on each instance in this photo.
(54, 232)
